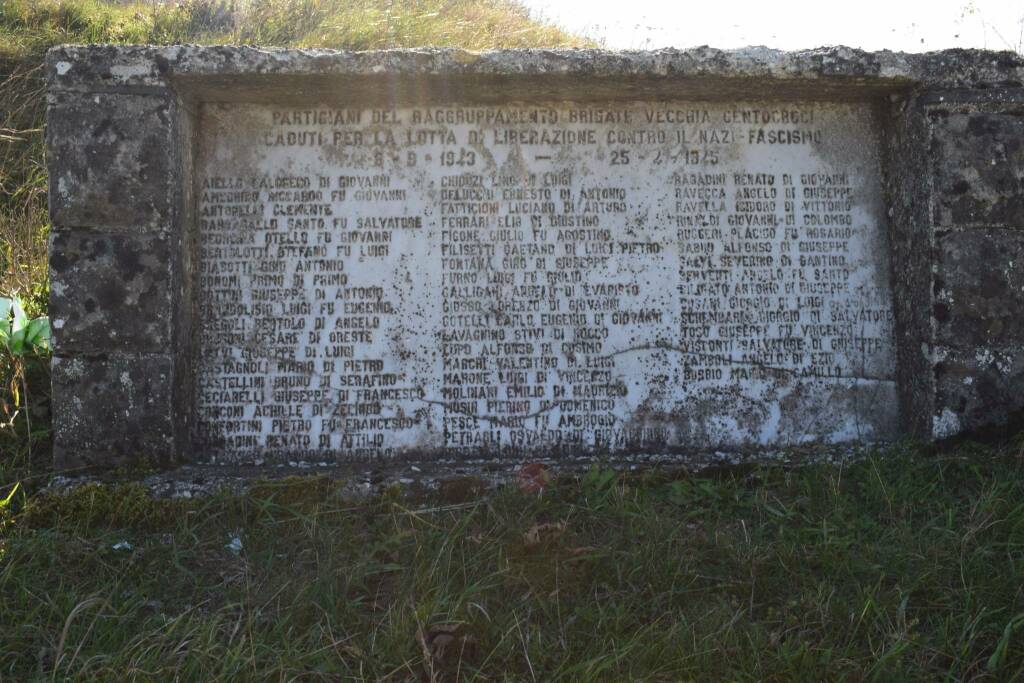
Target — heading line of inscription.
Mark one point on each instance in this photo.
(505, 115)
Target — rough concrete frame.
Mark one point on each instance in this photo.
(976, 215)
(122, 370)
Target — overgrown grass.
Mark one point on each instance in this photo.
(29, 27)
(900, 567)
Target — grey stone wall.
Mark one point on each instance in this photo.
(119, 273)
(120, 155)
(976, 212)
(957, 206)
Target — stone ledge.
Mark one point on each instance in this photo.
(969, 100)
(359, 479)
(70, 66)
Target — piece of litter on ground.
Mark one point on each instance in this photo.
(235, 545)
(122, 545)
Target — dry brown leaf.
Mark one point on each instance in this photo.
(582, 550)
(443, 644)
(533, 477)
(539, 533)
(349, 650)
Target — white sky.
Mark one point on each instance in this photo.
(903, 25)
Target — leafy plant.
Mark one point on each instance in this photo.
(598, 485)
(20, 335)
(20, 338)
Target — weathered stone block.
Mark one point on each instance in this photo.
(979, 169)
(978, 388)
(979, 289)
(112, 160)
(111, 292)
(113, 409)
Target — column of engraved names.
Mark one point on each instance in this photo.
(525, 317)
(849, 326)
(499, 305)
(231, 377)
(254, 312)
(304, 358)
(763, 282)
(355, 308)
(468, 210)
(525, 357)
(740, 308)
(589, 235)
(757, 249)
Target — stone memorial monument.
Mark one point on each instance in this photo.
(274, 256)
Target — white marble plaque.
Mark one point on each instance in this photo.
(556, 279)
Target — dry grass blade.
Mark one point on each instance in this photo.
(80, 607)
